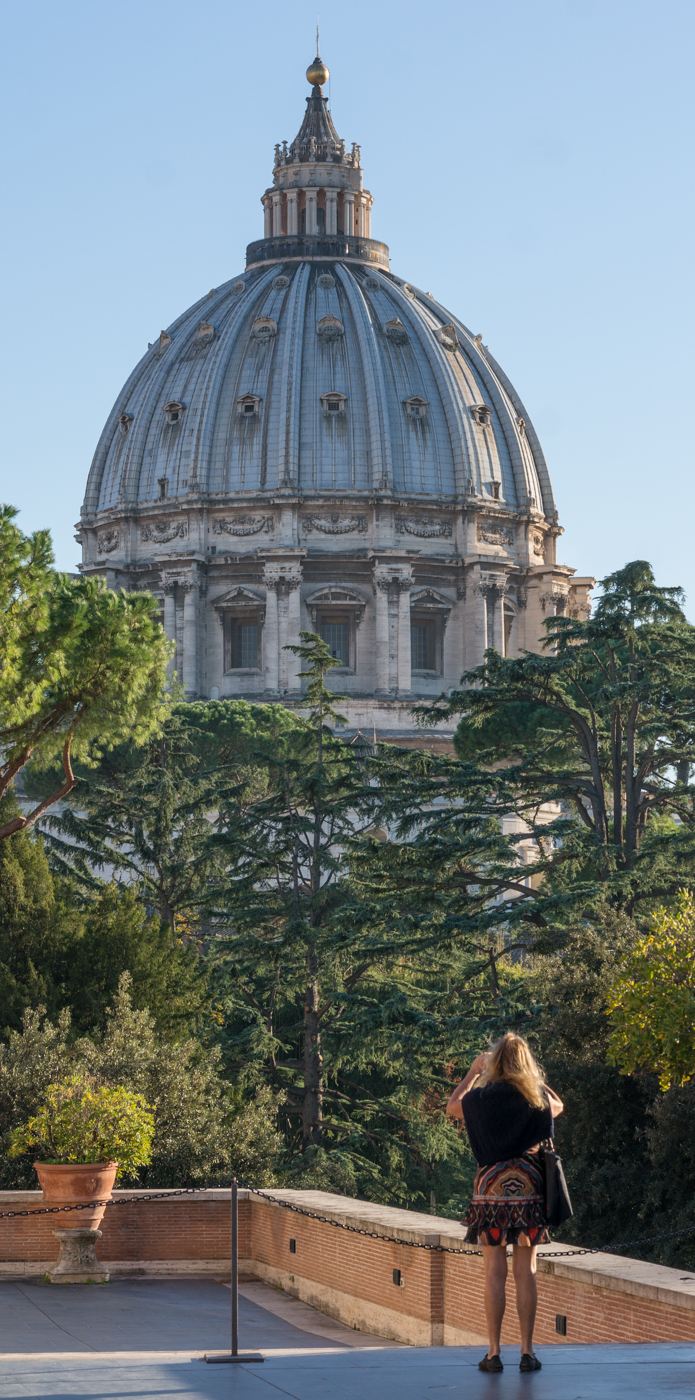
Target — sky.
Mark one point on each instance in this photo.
(531, 163)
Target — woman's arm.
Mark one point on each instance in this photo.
(556, 1104)
(454, 1105)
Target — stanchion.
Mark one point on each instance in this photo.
(235, 1354)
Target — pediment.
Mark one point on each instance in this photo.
(430, 600)
(239, 597)
(336, 595)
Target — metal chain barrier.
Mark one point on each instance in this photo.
(337, 1224)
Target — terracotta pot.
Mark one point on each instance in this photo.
(77, 1183)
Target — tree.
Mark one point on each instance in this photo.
(203, 1127)
(59, 950)
(347, 1019)
(590, 745)
(81, 667)
(147, 815)
(651, 1005)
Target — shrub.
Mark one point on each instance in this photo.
(81, 1121)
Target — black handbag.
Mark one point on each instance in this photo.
(558, 1206)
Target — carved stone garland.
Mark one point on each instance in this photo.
(243, 525)
(425, 526)
(334, 524)
(161, 533)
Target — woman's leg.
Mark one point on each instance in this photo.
(524, 1269)
(495, 1262)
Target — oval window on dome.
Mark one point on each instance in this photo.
(238, 289)
(264, 328)
(409, 291)
(280, 283)
(326, 281)
(371, 284)
(330, 328)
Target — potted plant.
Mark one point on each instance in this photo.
(85, 1135)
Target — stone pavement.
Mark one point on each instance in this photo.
(143, 1338)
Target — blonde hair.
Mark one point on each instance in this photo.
(513, 1060)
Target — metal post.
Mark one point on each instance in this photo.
(235, 1268)
(234, 1354)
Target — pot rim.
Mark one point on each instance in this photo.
(73, 1166)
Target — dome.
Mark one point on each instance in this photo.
(320, 444)
(418, 404)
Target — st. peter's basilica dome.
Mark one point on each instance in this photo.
(318, 444)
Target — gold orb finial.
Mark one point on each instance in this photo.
(317, 72)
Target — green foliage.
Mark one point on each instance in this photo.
(80, 1121)
(588, 747)
(652, 1001)
(149, 814)
(59, 952)
(83, 668)
(203, 1128)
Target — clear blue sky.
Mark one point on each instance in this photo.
(532, 166)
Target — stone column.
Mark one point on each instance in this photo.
(190, 639)
(294, 663)
(368, 219)
(349, 206)
(292, 220)
(361, 221)
(267, 218)
(271, 640)
(381, 591)
(331, 211)
(170, 620)
(277, 215)
(311, 225)
(404, 676)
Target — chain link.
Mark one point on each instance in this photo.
(336, 1224)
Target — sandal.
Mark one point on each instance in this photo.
(491, 1363)
(529, 1362)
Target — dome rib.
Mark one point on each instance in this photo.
(377, 407)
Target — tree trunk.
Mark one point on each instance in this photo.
(312, 1124)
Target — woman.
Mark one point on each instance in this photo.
(508, 1111)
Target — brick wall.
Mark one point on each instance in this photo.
(438, 1298)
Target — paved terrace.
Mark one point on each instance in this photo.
(144, 1338)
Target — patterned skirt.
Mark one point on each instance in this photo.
(508, 1205)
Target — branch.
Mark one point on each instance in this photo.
(21, 823)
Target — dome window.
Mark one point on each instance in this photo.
(330, 328)
(248, 406)
(495, 490)
(416, 407)
(371, 284)
(280, 283)
(163, 485)
(238, 289)
(396, 331)
(325, 281)
(521, 425)
(447, 337)
(333, 404)
(482, 415)
(124, 423)
(264, 328)
(174, 412)
(205, 332)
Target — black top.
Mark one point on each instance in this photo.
(501, 1123)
